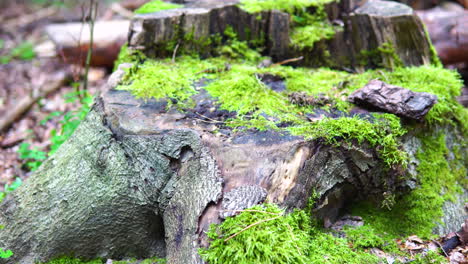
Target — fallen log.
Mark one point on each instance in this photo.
(72, 41)
(26, 103)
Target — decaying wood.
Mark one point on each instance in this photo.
(26, 103)
(379, 22)
(151, 182)
(393, 99)
(370, 26)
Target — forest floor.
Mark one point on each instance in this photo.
(25, 71)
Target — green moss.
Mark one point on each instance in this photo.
(240, 89)
(431, 257)
(154, 260)
(306, 36)
(381, 133)
(155, 6)
(128, 56)
(419, 211)
(435, 61)
(266, 234)
(236, 49)
(70, 260)
(289, 6)
(309, 20)
(163, 78)
(383, 56)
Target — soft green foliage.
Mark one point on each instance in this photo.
(306, 36)
(154, 260)
(266, 234)
(306, 28)
(4, 254)
(366, 236)
(240, 89)
(163, 78)
(419, 211)
(273, 237)
(236, 49)
(383, 56)
(10, 188)
(71, 119)
(155, 6)
(431, 257)
(289, 6)
(326, 248)
(381, 133)
(24, 51)
(71, 260)
(34, 157)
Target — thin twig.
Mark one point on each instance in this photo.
(211, 120)
(287, 61)
(294, 238)
(441, 247)
(92, 18)
(174, 54)
(119, 9)
(250, 210)
(250, 226)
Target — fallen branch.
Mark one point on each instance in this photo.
(26, 103)
(28, 19)
(287, 61)
(120, 10)
(250, 210)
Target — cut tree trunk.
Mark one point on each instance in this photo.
(137, 181)
(370, 26)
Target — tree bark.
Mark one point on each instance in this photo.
(137, 181)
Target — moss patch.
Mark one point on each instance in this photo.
(289, 6)
(382, 133)
(70, 260)
(238, 87)
(266, 234)
(418, 212)
(155, 6)
(309, 21)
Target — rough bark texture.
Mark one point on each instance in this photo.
(368, 28)
(136, 180)
(393, 99)
(379, 22)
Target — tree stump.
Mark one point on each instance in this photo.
(139, 179)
